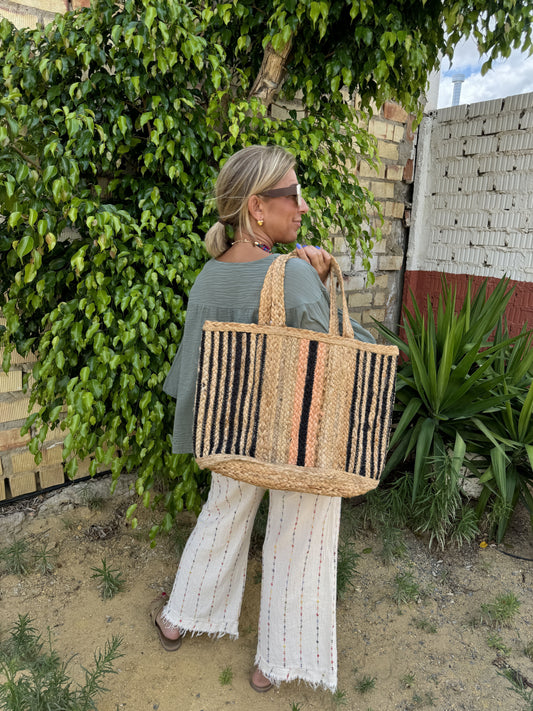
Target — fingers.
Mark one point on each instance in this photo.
(317, 258)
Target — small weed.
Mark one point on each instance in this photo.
(14, 558)
(339, 698)
(35, 678)
(110, 580)
(393, 544)
(519, 687)
(406, 588)
(501, 610)
(528, 650)
(426, 699)
(346, 567)
(425, 626)
(366, 684)
(296, 706)
(226, 676)
(45, 559)
(92, 500)
(350, 519)
(408, 680)
(496, 642)
(68, 523)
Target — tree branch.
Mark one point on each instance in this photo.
(270, 77)
(26, 158)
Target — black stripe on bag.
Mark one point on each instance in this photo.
(387, 403)
(234, 393)
(307, 401)
(245, 375)
(257, 340)
(366, 430)
(257, 408)
(373, 428)
(199, 427)
(225, 398)
(220, 355)
(353, 410)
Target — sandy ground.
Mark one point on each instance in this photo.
(430, 653)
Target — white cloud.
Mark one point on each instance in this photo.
(506, 78)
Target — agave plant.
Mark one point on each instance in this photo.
(508, 436)
(444, 381)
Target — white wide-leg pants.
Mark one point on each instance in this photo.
(297, 622)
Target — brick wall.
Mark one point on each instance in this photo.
(392, 186)
(473, 202)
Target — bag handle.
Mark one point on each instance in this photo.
(272, 301)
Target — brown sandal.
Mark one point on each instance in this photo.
(169, 645)
(256, 687)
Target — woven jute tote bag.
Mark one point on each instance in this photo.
(292, 409)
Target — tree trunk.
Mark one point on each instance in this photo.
(271, 74)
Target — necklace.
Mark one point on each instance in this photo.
(254, 244)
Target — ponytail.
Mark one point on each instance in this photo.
(216, 240)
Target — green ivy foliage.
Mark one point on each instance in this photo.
(113, 123)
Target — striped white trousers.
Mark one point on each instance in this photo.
(297, 628)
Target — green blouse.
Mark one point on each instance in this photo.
(225, 291)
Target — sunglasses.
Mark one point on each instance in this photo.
(292, 191)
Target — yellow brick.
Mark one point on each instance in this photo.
(382, 282)
(383, 190)
(394, 209)
(380, 247)
(2, 488)
(23, 483)
(16, 409)
(380, 298)
(394, 172)
(359, 299)
(390, 263)
(399, 133)
(12, 439)
(23, 462)
(17, 359)
(51, 476)
(21, 20)
(10, 382)
(387, 150)
(368, 171)
(386, 227)
(378, 314)
(83, 468)
(52, 455)
(381, 129)
(45, 5)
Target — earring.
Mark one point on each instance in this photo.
(260, 222)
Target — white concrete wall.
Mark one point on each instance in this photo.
(473, 198)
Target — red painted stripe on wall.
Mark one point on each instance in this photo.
(422, 283)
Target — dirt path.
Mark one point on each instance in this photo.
(426, 654)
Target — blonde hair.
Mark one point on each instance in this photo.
(248, 172)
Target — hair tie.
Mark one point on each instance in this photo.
(222, 222)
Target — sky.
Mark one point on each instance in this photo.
(507, 77)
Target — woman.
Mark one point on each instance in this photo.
(258, 195)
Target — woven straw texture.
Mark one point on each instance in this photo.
(286, 408)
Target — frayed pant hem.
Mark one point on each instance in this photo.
(196, 628)
(277, 675)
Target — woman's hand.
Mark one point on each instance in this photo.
(317, 258)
